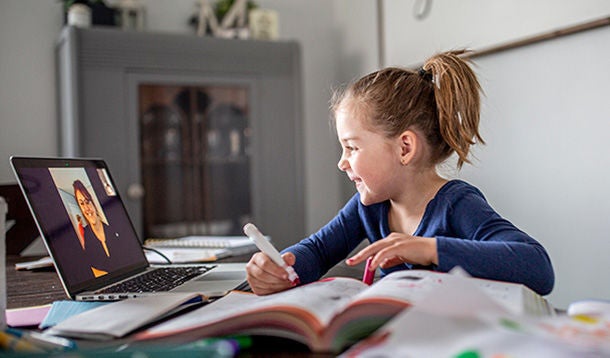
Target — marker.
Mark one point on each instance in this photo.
(11, 343)
(368, 274)
(44, 341)
(265, 246)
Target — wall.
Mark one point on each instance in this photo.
(335, 38)
(544, 119)
(28, 30)
(544, 123)
(475, 24)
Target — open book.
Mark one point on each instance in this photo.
(331, 314)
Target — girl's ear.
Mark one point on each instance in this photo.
(408, 146)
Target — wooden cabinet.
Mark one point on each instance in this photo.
(201, 134)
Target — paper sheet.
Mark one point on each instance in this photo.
(62, 310)
(26, 316)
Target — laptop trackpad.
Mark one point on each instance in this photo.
(214, 283)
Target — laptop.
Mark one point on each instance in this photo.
(91, 239)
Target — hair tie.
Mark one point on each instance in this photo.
(426, 75)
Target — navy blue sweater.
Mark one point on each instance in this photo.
(469, 234)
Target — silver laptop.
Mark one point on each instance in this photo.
(90, 237)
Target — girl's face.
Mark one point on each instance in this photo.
(369, 159)
(86, 207)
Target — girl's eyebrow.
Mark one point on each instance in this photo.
(347, 139)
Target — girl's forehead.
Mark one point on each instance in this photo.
(352, 118)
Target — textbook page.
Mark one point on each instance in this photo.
(322, 299)
(414, 285)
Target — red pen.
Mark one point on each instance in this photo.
(368, 273)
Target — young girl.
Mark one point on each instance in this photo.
(395, 126)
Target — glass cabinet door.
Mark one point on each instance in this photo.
(195, 159)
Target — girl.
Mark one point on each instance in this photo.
(395, 127)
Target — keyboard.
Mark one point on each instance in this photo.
(158, 280)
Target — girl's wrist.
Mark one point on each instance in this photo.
(432, 251)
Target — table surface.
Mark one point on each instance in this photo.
(31, 288)
(42, 286)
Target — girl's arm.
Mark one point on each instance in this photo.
(321, 251)
(488, 246)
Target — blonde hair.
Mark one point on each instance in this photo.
(441, 99)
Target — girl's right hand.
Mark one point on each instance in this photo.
(265, 276)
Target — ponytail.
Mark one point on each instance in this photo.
(457, 95)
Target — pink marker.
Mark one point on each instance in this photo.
(368, 274)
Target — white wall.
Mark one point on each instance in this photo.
(544, 118)
(475, 24)
(28, 29)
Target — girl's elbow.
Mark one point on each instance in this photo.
(546, 278)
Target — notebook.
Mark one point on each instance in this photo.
(89, 235)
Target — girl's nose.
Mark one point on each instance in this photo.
(343, 164)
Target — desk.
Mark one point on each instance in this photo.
(32, 288)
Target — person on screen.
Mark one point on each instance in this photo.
(395, 127)
(98, 237)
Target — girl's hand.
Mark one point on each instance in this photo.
(396, 249)
(265, 277)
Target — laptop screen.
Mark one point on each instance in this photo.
(82, 220)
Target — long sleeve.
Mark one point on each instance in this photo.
(470, 234)
(319, 252)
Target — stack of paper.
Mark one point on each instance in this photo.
(198, 248)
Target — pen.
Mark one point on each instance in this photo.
(265, 246)
(368, 274)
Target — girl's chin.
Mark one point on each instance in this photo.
(367, 199)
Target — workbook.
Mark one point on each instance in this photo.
(331, 314)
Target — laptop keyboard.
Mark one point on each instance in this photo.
(158, 280)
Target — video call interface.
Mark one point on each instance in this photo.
(84, 221)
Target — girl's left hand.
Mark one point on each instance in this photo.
(396, 249)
